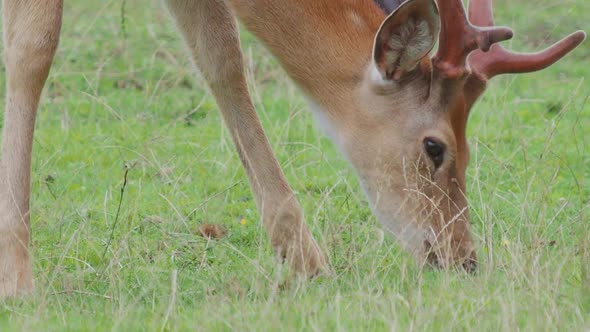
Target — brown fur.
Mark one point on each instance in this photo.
(380, 110)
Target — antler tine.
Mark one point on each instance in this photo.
(501, 61)
(458, 38)
(481, 13)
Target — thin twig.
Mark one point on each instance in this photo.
(50, 190)
(172, 299)
(123, 22)
(82, 293)
(106, 248)
(210, 198)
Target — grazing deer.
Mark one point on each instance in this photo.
(398, 114)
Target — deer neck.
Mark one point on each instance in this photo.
(324, 46)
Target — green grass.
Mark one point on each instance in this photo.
(122, 98)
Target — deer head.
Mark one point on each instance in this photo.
(397, 113)
(407, 138)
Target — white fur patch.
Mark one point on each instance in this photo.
(328, 128)
(357, 20)
(376, 76)
(406, 232)
(324, 122)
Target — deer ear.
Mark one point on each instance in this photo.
(405, 37)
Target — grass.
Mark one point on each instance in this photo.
(121, 97)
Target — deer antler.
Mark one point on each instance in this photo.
(458, 37)
(501, 61)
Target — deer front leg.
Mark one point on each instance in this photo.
(211, 34)
(31, 33)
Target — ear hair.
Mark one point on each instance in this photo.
(405, 37)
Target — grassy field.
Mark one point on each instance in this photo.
(122, 98)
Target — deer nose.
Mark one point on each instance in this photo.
(470, 264)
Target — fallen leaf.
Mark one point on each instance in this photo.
(212, 231)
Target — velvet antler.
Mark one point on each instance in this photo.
(500, 61)
(485, 65)
(458, 38)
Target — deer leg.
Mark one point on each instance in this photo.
(211, 34)
(31, 34)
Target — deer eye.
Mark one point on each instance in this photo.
(435, 151)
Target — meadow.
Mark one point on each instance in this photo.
(124, 109)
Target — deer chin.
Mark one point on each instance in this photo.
(408, 232)
(393, 213)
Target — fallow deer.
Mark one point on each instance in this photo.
(397, 113)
